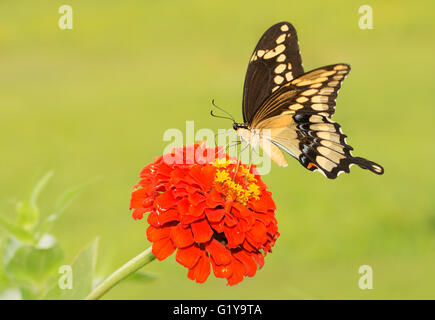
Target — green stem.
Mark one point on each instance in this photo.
(129, 268)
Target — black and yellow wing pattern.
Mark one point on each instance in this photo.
(276, 60)
(296, 107)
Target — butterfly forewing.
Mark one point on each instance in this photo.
(314, 92)
(275, 61)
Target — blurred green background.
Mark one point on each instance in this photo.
(92, 104)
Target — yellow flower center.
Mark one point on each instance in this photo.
(240, 187)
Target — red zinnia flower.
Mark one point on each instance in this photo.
(206, 212)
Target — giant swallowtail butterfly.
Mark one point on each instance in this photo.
(295, 107)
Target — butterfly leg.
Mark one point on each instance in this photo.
(217, 134)
(237, 169)
(215, 143)
(229, 145)
(250, 164)
(238, 162)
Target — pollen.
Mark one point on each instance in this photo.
(222, 162)
(222, 176)
(240, 187)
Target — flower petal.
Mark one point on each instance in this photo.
(168, 216)
(264, 218)
(204, 175)
(145, 171)
(270, 203)
(256, 245)
(201, 270)
(188, 256)
(220, 254)
(218, 226)
(164, 169)
(238, 272)
(183, 206)
(214, 198)
(178, 174)
(138, 213)
(165, 201)
(258, 232)
(234, 236)
(179, 192)
(182, 237)
(197, 210)
(229, 220)
(208, 174)
(214, 215)
(259, 258)
(201, 231)
(221, 271)
(240, 210)
(137, 197)
(248, 262)
(155, 234)
(191, 187)
(248, 246)
(196, 198)
(260, 205)
(228, 206)
(163, 248)
(186, 220)
(153, 219)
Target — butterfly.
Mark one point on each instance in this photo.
(295, 108)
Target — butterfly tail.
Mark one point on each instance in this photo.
(323, 147)
(369, 165)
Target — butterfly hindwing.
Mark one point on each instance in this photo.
(275, 62)
(323, 147)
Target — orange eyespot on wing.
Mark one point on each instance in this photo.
(311, 165)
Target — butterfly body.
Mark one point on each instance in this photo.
(287, 109)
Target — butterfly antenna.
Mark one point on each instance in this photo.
(229, 114)
(216, 116)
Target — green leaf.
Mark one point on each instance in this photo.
(62, 204)
(82, 269)
(28, 211)
(25, 263)
(15, 230)
(66, 198)
(4, 280)
(27, 214)
(142, 276)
